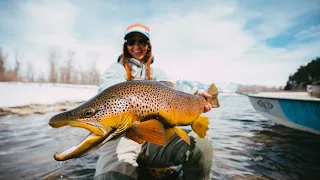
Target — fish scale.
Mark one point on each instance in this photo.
(141, 110)
(146, 98)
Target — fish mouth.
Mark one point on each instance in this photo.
(96, 138)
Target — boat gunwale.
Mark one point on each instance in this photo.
(284, 98)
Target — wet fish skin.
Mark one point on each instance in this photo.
(142, 110)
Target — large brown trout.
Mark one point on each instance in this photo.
(141, 110)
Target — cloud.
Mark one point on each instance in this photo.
(312, 33)
(47, 25)
(223, 41)
(203, 45)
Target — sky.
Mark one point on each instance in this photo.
(246, 42)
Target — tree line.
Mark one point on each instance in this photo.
(305, 75)
(65, 73)
(247, 89)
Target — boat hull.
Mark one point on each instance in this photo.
(299, 114)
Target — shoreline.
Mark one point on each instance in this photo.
(38, 108)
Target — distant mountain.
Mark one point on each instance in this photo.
(193, 86)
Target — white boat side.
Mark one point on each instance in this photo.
(294, 109)
(286, 95)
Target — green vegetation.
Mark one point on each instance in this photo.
(305, 75)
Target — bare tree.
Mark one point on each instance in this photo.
(94, 74)
(83, 77)
(66, 70)
(41, 78)
(2, 65)
(75, 77)
(16, 70)
(63, 74)
(30, 72)
(53, 60)
(69, 66)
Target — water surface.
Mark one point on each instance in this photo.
(246, 146)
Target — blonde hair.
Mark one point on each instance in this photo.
(146, 59)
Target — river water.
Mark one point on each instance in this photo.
(246, 146)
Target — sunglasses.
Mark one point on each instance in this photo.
(142, 42)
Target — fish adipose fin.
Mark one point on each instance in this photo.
(200, 126)
(168, 83)
(213, 91)
(151, 131)
(182, 134)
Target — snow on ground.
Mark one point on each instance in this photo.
(19, 94)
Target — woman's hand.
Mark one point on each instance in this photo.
(206, 95)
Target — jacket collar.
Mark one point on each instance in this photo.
(119, 59)
(136, 63)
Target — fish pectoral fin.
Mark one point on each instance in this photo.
(117, 121)
(182, 134)
(134, 137)
(151, 131)
(169, 133)
(200, 126)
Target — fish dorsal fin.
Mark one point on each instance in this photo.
(151, 131)
(182, 134)
(200, 126)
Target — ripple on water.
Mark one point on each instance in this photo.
(246, 146)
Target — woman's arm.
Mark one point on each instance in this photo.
(113, 75)
(159, 75)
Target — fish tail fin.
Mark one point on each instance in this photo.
(213, 91)
(200, 126)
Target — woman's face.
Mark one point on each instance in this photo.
(137, 46)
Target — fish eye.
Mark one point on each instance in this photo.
(88, 113)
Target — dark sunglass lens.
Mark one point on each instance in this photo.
(143, 42)
(130, 42)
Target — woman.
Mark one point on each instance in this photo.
(120, 159)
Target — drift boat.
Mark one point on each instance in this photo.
(299, 110)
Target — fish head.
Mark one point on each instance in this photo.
(79, 115)
(96, 116)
